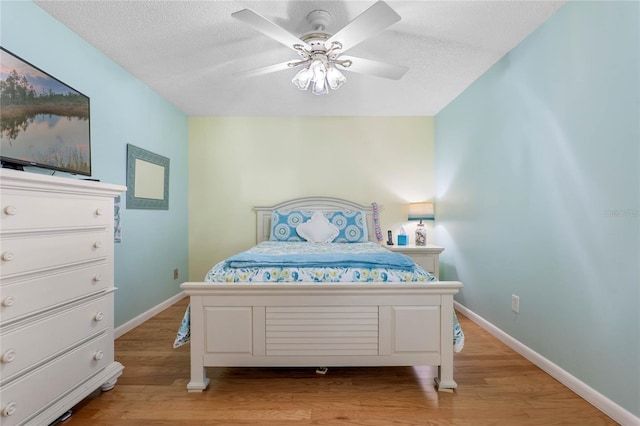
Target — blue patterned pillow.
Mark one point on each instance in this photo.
(284, 223)
(352, 225)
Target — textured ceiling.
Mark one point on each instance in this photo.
(187, 51)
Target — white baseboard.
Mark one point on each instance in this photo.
(130, 325)
(595, 398)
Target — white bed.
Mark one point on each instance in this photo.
(260, 324)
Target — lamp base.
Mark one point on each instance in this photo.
(421, 235)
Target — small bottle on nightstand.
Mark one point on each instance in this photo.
(421, 235)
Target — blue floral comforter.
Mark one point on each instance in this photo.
(270, 261)
(277, 261)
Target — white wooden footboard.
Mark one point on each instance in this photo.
(321, 325)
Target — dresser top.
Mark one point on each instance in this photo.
(28, 181)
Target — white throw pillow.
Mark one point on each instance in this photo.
(318, 229)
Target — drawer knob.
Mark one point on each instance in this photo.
(97, 277)
(98, 355)
(9, 356)
(99, 212)
(9, 409)
(97, 244)
(8, 256)
(98, 316)
(10, 210)
(8, 301)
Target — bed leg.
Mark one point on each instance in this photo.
(444, 381)
(444, 385)
(199, 380)
(198, 384)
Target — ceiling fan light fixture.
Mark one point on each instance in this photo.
(303, 78)
(320, 74)
(335, 78)
(320, 87)
(319, 77)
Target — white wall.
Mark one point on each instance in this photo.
(236, 163)
(538, 188)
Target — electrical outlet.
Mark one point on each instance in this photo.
(175, 274)
(515, 303)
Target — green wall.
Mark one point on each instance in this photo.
(123, 110)
(538, 195)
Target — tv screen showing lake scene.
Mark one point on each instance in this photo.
(43, 122)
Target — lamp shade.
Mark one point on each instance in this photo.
(421, 211)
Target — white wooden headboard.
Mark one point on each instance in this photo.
(310, 203)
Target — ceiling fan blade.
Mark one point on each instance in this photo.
(370, 22)
(379, 69)
(269, 28)
(268, 69)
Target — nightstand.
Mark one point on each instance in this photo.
(425, 256)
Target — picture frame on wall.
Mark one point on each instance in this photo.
(147, 179)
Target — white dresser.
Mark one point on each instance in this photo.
(56, 294)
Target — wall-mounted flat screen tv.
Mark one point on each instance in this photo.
(43, 122)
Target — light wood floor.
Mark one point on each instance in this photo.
(496, 386)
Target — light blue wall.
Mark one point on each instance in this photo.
(538, 194)
(123, 110)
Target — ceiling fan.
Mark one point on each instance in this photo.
(322, 53)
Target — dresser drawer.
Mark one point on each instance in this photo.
(29, 345)
(24, 296)
(39, 253)
(32, 211)
(38, 389)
